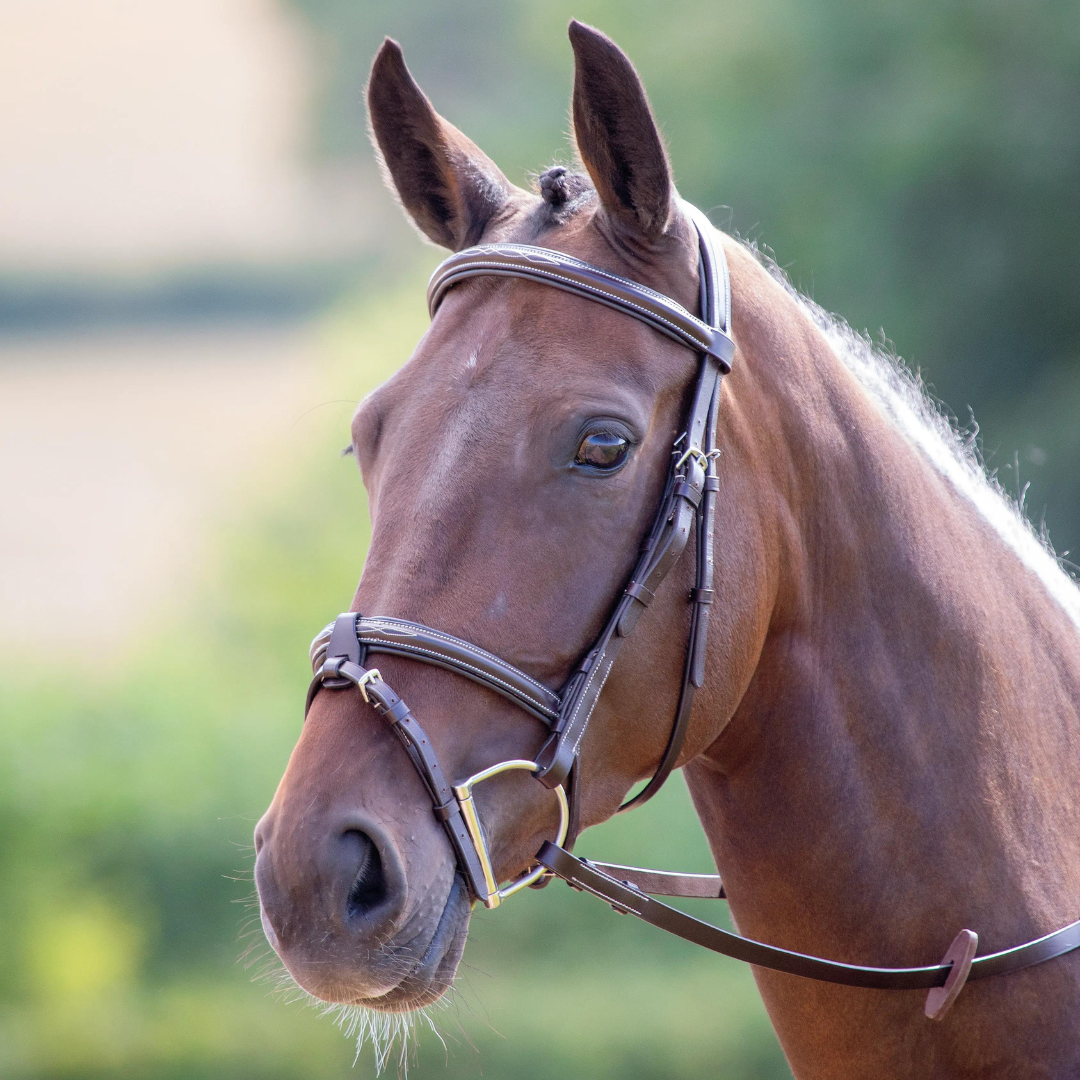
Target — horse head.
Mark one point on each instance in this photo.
(513, 468)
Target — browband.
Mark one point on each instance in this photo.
(572, 275)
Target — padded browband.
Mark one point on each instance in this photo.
(574, 276)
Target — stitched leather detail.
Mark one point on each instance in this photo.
(403, 624)
(482, 675)
(404, 638)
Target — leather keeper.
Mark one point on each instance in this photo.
(397, 712)
(701, 596)
(446, 811)
(336, 684)
(640, 593)
(722, 350)
(685, 490)
(331, 667)
(387, 703)
(712, 483)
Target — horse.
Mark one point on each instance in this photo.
(885, 745)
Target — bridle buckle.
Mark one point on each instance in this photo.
(699, 455)
(369, 676)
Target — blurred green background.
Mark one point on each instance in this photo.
(177, 520)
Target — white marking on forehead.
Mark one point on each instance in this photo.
(455, 440)
(474, 354)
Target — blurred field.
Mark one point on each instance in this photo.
(118, 452)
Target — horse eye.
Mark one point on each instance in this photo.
(602, 450)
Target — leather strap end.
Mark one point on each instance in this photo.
(629, 619)
(343, 640)
(722, 350)
(698, 643)
(555, 761)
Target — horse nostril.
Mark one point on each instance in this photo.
(369, 888)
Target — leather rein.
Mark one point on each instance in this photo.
(339, 657)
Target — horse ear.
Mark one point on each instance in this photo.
(617, 137)
(446, 183)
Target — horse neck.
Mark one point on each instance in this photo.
(902, 762)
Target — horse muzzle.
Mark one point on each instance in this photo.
(337, 909)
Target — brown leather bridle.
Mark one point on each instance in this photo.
(340, 652)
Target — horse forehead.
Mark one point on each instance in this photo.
(521, 341)
(503, 361)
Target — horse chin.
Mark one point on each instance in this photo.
(434, 973)
(426, 980)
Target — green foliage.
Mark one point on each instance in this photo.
(914, 166)
(127, 803)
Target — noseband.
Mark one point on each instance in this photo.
(339, 655)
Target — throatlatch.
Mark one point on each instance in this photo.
(339, 655)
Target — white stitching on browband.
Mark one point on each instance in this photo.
(561, 259)
(617, 278)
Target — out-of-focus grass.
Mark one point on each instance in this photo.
(127, 803)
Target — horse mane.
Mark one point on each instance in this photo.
(952, 450)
